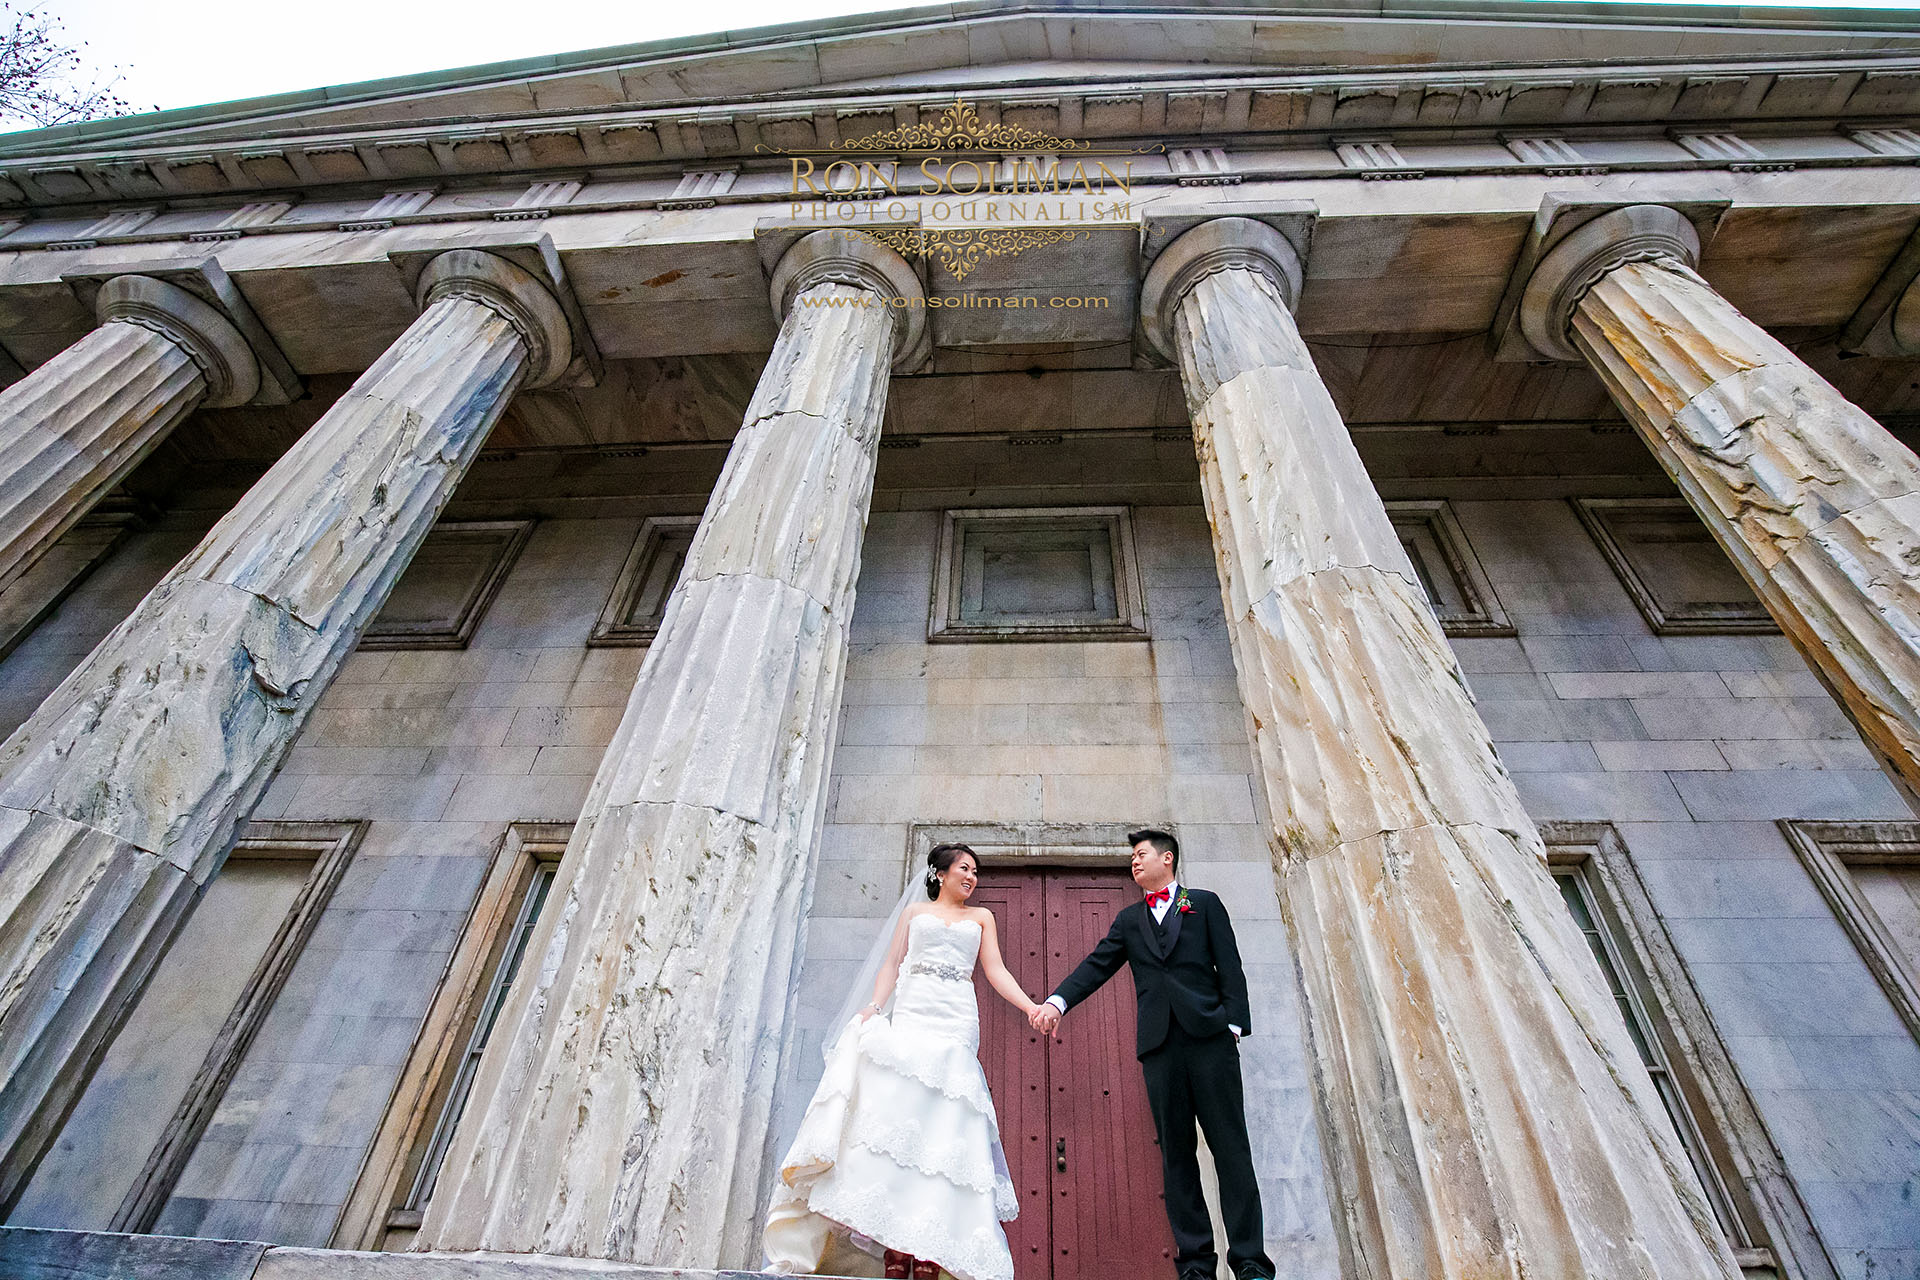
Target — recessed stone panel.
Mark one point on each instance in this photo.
(445, 591)
(1669, 563)
(634, 611)
(1037, 573)
(1456, 586)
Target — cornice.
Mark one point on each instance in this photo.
(962, 15)
(1293, 107)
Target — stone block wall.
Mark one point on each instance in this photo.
(1692, 747)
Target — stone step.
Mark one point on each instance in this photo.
(30, 1253)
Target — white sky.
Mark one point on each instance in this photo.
(179, 53)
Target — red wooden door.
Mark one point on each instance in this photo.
(1109, 1215)
(1077, 1100)
(1015, 1064)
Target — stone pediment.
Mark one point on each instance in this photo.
(1111, 71)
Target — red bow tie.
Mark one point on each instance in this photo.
(1159, 896)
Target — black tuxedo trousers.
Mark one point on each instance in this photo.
(1189, 987)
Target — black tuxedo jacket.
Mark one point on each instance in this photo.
(1185, 970)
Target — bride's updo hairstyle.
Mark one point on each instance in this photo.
(939, 858)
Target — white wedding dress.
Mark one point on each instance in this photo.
(899, 1148)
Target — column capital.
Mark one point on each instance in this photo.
(1218, 244)
(520, 299)
(850, 258)
(1636, 233)
(223, 357)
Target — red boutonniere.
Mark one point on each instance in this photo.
(1181, 904)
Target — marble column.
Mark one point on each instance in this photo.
(622, 1108)
(1816, 504)
(122, 794)
(1483, 1112)
(74, 427)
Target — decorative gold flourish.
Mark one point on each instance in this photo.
(960, 250)
(960, 128)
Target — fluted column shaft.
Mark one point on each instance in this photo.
(1482, 1110)
(74, 427)
(1817, 505)
(622, 1107)
(123, 793)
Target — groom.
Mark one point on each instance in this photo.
(1193, 1010)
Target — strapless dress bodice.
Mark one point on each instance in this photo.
(933, 992)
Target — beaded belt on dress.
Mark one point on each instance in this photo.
(951, 972)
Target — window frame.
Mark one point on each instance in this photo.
(509, 954)
(70, 560)
(1776, 1230)
(379, 1204)
(1828, 850)
(331, 845)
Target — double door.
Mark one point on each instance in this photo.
(1073, 1110)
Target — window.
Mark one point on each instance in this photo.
(1765, 1222)
(447, 587)
(115, 1163)
(531, 900)
(1577, 890)
(638, 605)
(1669, 563)
(1455, 584)
(384, 1210)
(1037, 573)
(1869, 873)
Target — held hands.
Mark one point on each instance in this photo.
(1044, 1019)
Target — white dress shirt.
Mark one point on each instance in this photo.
(1159, 910)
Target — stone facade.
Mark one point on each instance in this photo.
(1569, 838)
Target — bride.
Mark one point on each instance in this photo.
(899, 1148)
